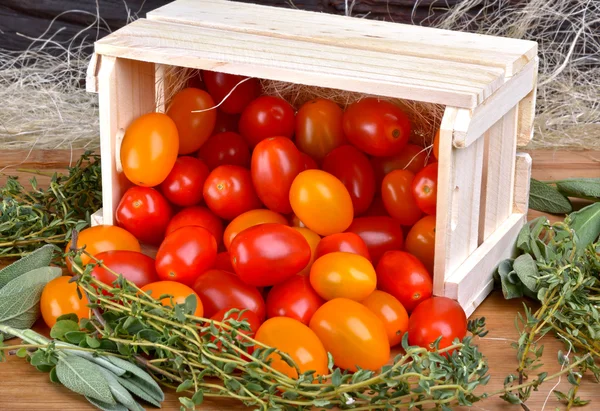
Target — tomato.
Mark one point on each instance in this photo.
(353, 335)
(185, 254)
(424, 188)
(223, 262)
(398, 200)
(436, 145)
(228, 192)
(420, 241)
(225, 122)
(377, 127)
(319, 128)
(294, 298)
(380, 234)
(321, 202)
(197, 216)
(226, 148)
(275, 163)
(309, 163)
(183, 186)
(391, 312)
(266, 117)
(59, 297)
(343, 275)
(250, 219)
(268, 254)
(376, 209)
(178, 293)
(344, 242)
(194, 128)
(219, 86)
(313, 240)
(149, 149)
(223, 290)
(354, 170)
(133, 265)
(435, 317)
(249, 316)
(402, 275)
(295, 221)
(145, 213)
(412, 158)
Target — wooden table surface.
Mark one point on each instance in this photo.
(22, 387)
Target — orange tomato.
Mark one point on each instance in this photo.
(396, 192)
(298, 341)
(178, 291)
(194, 128)
(250, 219)
(420, 241)
(149, 149)
(319, 128)
(391, 312)
(321, 202)
(343, 275)
(412, 158)
(313, 240)
(436, 145)
(353, 335)
(59, 297)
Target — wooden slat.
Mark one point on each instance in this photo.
(522, 180)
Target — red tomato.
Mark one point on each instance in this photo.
(223, 262)
(185, 254)
(194, 128)
(424, 188)
(380, 234)
(178, 293)
(435, 317)
(226, 148)
(344, 242)
(145, 213)
(402, 275)
(197, 216)
(133, 265)
(436, 145)
(376, 209)
(376, 127)
(275, 163)
(228, 192)
(309, 163)
(59, 297)
(222, 290)
(226, 122)
(294, 298)
(420, 241)
(412, 158)
(313, 240)
(219, 85)
(268, 254)
(183, 186)
(250, 219)
(343, 275)
(391, 312)
(398, 199)
(266, 117)
(354, 170)
(319, 128)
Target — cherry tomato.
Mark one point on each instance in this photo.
(354, 170)
(319, 128)
(353, 335)
(223, 290)
(435, 317)
(402, 275)
(343, 275)
(249, 316)
(436, 145)
(344, 242)
(226, 148)
(313, 240)
(183, 186)
(178, 293)
(398, 200)
(132, 265)
(185, 254)
(197, 216)
(266, 117)
(321, 202)
(149, 149)
(412, 158)
(59, 297)
(275, 163)
(194, 128)
(380, 234)
(309, 163)
(295, 221)
(250, 219)
(145, 213)
(268, 254)
(223, 262)
(420, 241)
(228, 192)
(424, 188)
(298, 341)
(225, 122)
(391, 312)
(376, 127)
(294, 298)
(376, 209)
(219, 85)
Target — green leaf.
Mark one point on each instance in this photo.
(23, 321)
(92, 342)
(526, 269)
(336, 378)
(187, 403)
(83, 377)
(137, 390)
(120, 393)
(142, 375)
(198, 397)
(75, 337)
(62, 327)
(320, 403)
(36, 259)
(53, 376)
(70, 316)
(106, 407)
(544, 198)
(580, 187)
(509, 290)
(186, 385)
(586, 224)
(190, 304)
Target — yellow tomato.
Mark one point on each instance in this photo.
(343, 275)
(313, 240)
(59, 297)
(250, 219)
(391, 312)
(178, 291)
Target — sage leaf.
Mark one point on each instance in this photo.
(510, 290)
(101, 361)
(544, 198)
(141, 374)
(83, 377)
(121, 395)
(525, 267)
(586, 224)
(580, 187)
(62, 327)
(138, 391)
(106, 407)
(36, 259)
(22, 321)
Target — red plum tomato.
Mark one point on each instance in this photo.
(145, 213)
(228, 192)
(266, 117)
(424, 188)
(220, 85)
(193, 128)
(319, 128)
(183, 186)
(294, 298)
(197, 216)
(380, 234)
(435, 317)
(132, 265)
(344, 242)
(398, 200)
(226, 148)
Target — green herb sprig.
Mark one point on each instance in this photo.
(553, 196)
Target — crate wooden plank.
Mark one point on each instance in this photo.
(522, 179)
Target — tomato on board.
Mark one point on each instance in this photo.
(435, 317)
(149, 149)
(353, 335)
(344, 242)
(197, 216)
(223, 290)
(227, 148)
(145, 213)
(354, 170)
(266, 117)
(436, 145)
(412, 158)
(132, 265)
(178, 293)
(194, 128)
(420, 241)
(268, 254)
(294, 298)
(377, 127)
(228, 192)
(402, 275)
(309, 163)
(223, 262)
(391, 312)
(219, 85)
(321, 202)
(250, 219)
(319, 128)
(275, 163)
(343, 275)
(59, 297)
(380, 234)
(424, 188)
(186, 253)
(183, 186)
(313, 240)
(396, 192)
(298, 341)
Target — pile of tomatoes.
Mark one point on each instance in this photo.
(320, 223)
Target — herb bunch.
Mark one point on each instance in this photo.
(553, 196)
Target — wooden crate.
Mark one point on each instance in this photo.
(487, 85)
